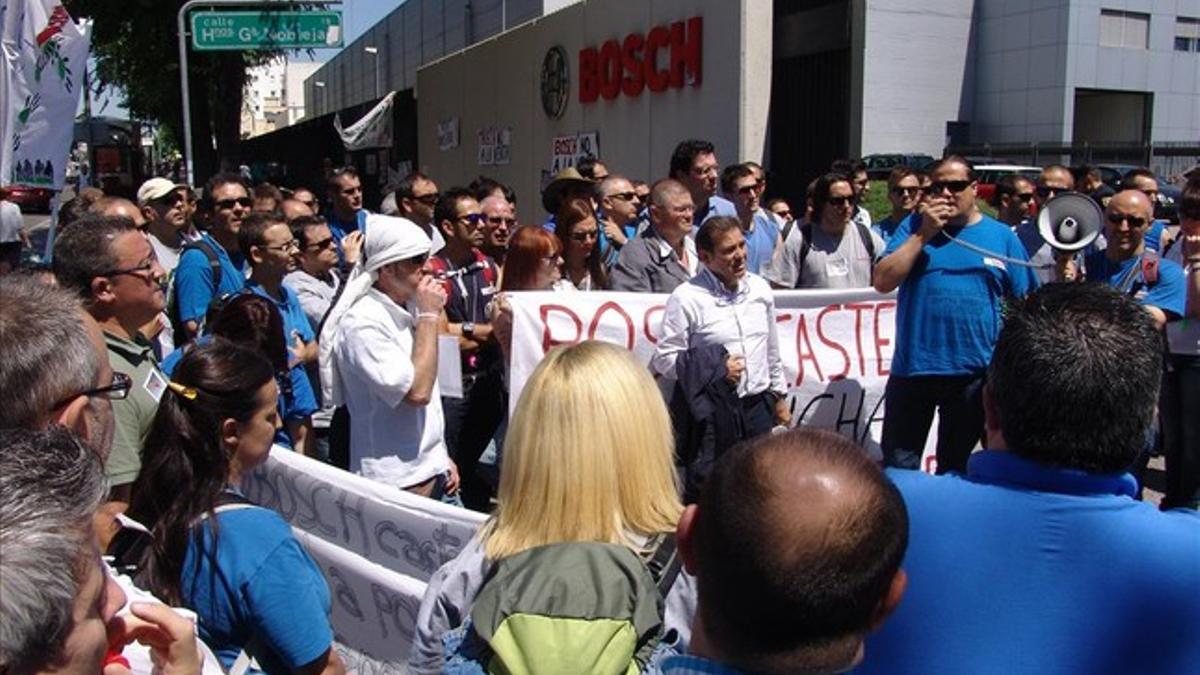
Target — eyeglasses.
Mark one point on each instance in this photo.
(906, 190)
(430, 199)
(1134, 221)
(140, 270)
(472, 218)
(552, 259)
(501, 220)
(226, 204)
(116, 391)
(624, 196)
(285, 246)
(840, 201)
(321, 245)
(585, 235)
(954, 186)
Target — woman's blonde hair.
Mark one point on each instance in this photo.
(588, 455)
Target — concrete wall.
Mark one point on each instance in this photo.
(497, 84)
(1034, 54)
(415, 33)
(916, 68)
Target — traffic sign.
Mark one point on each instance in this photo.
(214, 31)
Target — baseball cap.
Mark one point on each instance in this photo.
(156, 188)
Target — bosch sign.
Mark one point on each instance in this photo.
(664, 58)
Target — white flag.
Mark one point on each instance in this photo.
(44, 56)
(374, 130)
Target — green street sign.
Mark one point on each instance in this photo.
(235, 31)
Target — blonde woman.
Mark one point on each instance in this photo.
(588, 457)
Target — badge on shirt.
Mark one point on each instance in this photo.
(994, 262)
(837, 267)
(155, 385)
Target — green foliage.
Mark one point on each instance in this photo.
(879, 207)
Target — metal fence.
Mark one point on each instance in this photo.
(1166, 159)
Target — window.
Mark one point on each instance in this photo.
(1187, 34)
(1124, 29)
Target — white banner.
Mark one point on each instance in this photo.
(376, 544)
(373, 130)
(836, 346)
(45, 54)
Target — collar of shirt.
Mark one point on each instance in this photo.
(399, 314)
(998, 467)
(686, 664)
(133, 350)
(283, 302)
(665, 252)
(720, 291)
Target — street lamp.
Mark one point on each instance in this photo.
(321, 85)
(374, 51)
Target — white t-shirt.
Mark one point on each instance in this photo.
(394, 442)
(10, 222)
(831, 263)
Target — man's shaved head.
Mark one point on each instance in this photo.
(118, 206)
(1133, 200)
(796, 543)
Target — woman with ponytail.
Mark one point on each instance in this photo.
(238, 566)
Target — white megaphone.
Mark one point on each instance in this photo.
(1069, 221)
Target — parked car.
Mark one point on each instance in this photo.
(988, 174)
(879, 166)
(1169, 194)
(30, 199)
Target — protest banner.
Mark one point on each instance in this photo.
(376, 545)
(836, 346)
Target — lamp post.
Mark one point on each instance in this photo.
(374, 51)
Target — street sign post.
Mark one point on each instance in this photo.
(237, 31)
(273, 39)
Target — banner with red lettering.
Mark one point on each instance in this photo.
(836, 346)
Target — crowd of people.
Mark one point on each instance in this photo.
(182, 336)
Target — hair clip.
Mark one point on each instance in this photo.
(187, 392)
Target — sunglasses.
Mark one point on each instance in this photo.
(430, 199)
(116, 391)
(954, 186)
(906, 190)
(418, 260)
(321, 245)
(173, 200)
(138, 271)
(501, 220)
(586, 235)
(625, 196)
(226, 204)
(1045, 192)
(840, 201)
(786, 213)
(748, 189)
(1134, 221)
(472, 218)
(1025, 197)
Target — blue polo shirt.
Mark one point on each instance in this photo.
(1169, 293)
(340, 228)
(260, 583)
(194, 289)
(1020, 567)
(948, 309)
(886, 228)
(760, 242)
(717, 206)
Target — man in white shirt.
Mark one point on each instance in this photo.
(12, 234)
(726, 305)
(379, 358)
(168, 208)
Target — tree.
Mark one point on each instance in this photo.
(135, 46)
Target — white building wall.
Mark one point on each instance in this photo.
(496, 84)
(916, 64)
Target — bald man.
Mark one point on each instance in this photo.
(119, 206)
(294, 208)
(1125, 264)
(499, 221)
(661, 256)
(787, 590)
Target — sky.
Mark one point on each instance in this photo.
(357, 17)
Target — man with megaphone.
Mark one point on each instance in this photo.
(954, 267)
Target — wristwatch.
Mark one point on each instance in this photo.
(468, 328)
